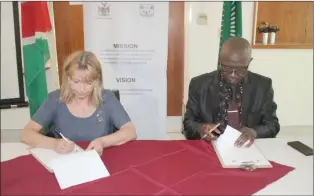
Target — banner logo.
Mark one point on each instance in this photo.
(100, 116)
(147, 10)
(104, 9)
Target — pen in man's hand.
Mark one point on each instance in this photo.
(215, 127)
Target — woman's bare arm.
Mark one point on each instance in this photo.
(125, 134)
(31, 136)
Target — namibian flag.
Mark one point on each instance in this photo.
(35, 26)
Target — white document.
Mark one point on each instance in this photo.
(233, 157)
(78, 168)
(228, 138)
(45, 156)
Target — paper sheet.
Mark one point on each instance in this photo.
(45, 156)
(228, 138)
(78, 168)
(232, 156)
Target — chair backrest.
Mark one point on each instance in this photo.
(116, 93)
(53, 134)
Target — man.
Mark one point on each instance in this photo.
(232, 96)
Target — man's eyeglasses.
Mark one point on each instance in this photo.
(236, 70)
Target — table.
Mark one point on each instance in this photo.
(297, 182)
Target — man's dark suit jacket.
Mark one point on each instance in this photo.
(258, 106)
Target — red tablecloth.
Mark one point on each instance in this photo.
(145, 168)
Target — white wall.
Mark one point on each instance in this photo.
(17, 118)
(291, 70)
(8, 71)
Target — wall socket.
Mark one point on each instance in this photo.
(201, 19)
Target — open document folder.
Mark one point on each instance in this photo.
(231, 156)
(72, 169)
(45, 156)
(78, 168)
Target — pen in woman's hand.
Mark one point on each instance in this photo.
(66, 139)
(59, 133)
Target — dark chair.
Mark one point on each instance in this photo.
(116, 93)
(51, 130)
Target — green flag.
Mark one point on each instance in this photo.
(35, 26)
(231, 22)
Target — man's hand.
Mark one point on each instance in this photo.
(207, 131)
(96, 144)
(248, 134)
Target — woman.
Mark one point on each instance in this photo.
(80, 111)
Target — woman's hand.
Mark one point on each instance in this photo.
(96, 144)
(63, 147)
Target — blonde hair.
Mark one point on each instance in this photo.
(82, 60)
